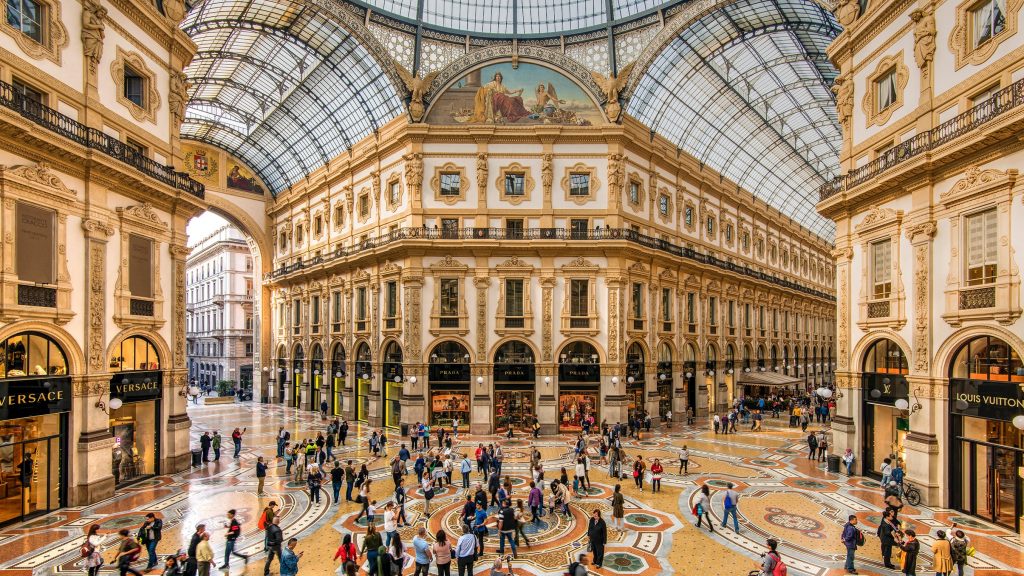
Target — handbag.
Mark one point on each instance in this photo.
(971, 550)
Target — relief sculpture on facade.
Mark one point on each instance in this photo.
(843, 337)
(547, 285)
(921, 320)
(97, 310)
(613, 324)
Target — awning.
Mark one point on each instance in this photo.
(767, 379)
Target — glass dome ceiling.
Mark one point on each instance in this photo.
(287, 85)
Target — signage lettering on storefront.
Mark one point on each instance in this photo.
(34, 397)
(135, 386)
(982, 399)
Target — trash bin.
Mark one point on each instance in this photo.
(404, 429)
(197, 457)
(833, 463)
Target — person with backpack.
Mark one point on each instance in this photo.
(886, 473)
(265, 520)
(215, 444)
(702, 508)
(91, 557)
(149, 535)
(897, 475)
(852, 538)
(234, 531)
(579, 568)
(812, 446)
(959, 548)
(771, 562)
(731, 503)
(128, 551)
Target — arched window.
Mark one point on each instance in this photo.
(513, 352)
(711, 358)
(987, 358)
(885, 357)
(32, 354)
(578, 352)
(134, 353)
(449, 352)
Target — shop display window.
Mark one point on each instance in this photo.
(448, 405)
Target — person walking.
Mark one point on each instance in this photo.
(639, 467)
(399, 499)
(535, 500)
(465, 551)
(910, 547)
(204, 555)
(822, 445)
(191, 564)
(390, 523)
(618, 509)
(684, 461)
(770, 560)
(427, 487)
(656, 471)
(848, 458)
(851, 537)
(731, 502)
(266, 518)
(93, 560)
(231, 539)
(702, 509)
(149, 535)
(215, 444)
(422, 551)
(337, 477)
(128, 551)
(959, 545)
(236, 437)
(717, 422)
(442, 552)
(348, 555)
(597, 533)
(289, 559)
(314, 480)
(507, 525)
(275, 541)
(350, 480)
(942, 554)
(371, 543)
(889, 535)
(282, 437)
(343, 431)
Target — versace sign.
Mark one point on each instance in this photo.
(136, 386)
(985, 399)
(34, 397)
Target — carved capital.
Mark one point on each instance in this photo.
(97, 229)
(920, 232)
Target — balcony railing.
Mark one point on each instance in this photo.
(597, 234)
(96, 140)
(1007, 99)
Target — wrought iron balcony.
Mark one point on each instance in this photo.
(542, 234)
(95, 139)
(999, 104)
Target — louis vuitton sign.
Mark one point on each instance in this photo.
(985, 399)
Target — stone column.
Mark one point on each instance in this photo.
(928, 414)
(844, 425)
(374, 416)
(482, 407)
(547, 399)
(175, 442)
(614, 403)
(93, 480)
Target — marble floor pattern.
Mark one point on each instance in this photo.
(783, 495)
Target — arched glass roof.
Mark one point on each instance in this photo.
(746, 91)
(281, 85)
(518, 17)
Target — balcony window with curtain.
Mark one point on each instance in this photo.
(982, 248)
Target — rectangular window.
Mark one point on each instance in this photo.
(514, 297)
(578, 228)
(579, 184)
(134, 86)
(449, 297)
(881, 269)
(26, 16)
(691, 312)
(140, 266)
(989, 19)
(296, 312)
(886, 87)
(298, 234)
(391, 299)
(515, 184)
(394, 193)
(728, 232)
(579, 297)
(634, 192)
(760, 317)
(282, 314)
(981, 240)
(712, 310)
(514, 228)
(711, 226)
(637, 300)
(732, 313)
(361, 304)
(663, 205)
(364, 206)
(36, 243)
(32, 100)
(339, 217)
(688, 216)
(746, 315)
(451, 183)
(248, 349)
(449, 227)
(666, 304)
(985, 96)
(318, 225)
(314, 310)
(336, 307)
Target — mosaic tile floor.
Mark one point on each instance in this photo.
(784, 496)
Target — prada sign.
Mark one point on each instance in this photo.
(514, 373)
(986, 399)
(136, 386)
(885, 388)
(449, 372)
(589, 373)
(34, 397)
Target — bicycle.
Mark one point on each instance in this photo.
(911, 494)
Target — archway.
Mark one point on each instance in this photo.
(986, 407)
(281, 372)
(298, 373)
(665, 379)
(337, 379)
(690, 374)
(363, 377)
(579, 385)
(448, 385)
(884, 372)
(635, 380)
(34, 363)
(760, 357)
(514, 381)
(316, 366)
(135, 422)
(393, 384)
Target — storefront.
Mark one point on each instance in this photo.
(364, 376)
(579, 385)
(986, 404)
(298, 370)
(635, 379)
(134, 409)
(394, 377)
(690, 376)
(35, 399)
(514, 381)
(448, 376)
(316, 381)
(338, 379)
(282, 379)
(884, 383)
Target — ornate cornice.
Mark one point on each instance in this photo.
(920, 232)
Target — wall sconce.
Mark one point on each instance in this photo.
(480, 380)
(547, 379)
(398, 378)
(113, 404)
(730, 370)
(746, 369)
(366, 376)
(412, 379)
(465, 357)
(689, 375)
(615, 380)
(630, 380)
(711, 372)
(316, 372)
(1018, 421)
(337, 374)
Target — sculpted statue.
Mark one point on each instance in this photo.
(413, 171)
(611, 86)
(843, 90)
(924, 38)
(847, 11)
(93, 32)
(177, 97)
(417, 87)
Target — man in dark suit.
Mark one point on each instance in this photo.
(275, 538)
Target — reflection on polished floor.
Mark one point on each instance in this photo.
(784, 495)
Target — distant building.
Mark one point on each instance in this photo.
(218, 300)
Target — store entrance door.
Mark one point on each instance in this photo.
(991, 485)
(29, 484)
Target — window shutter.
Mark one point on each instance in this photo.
(882, 264)
(990, 235)
(975, 240)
